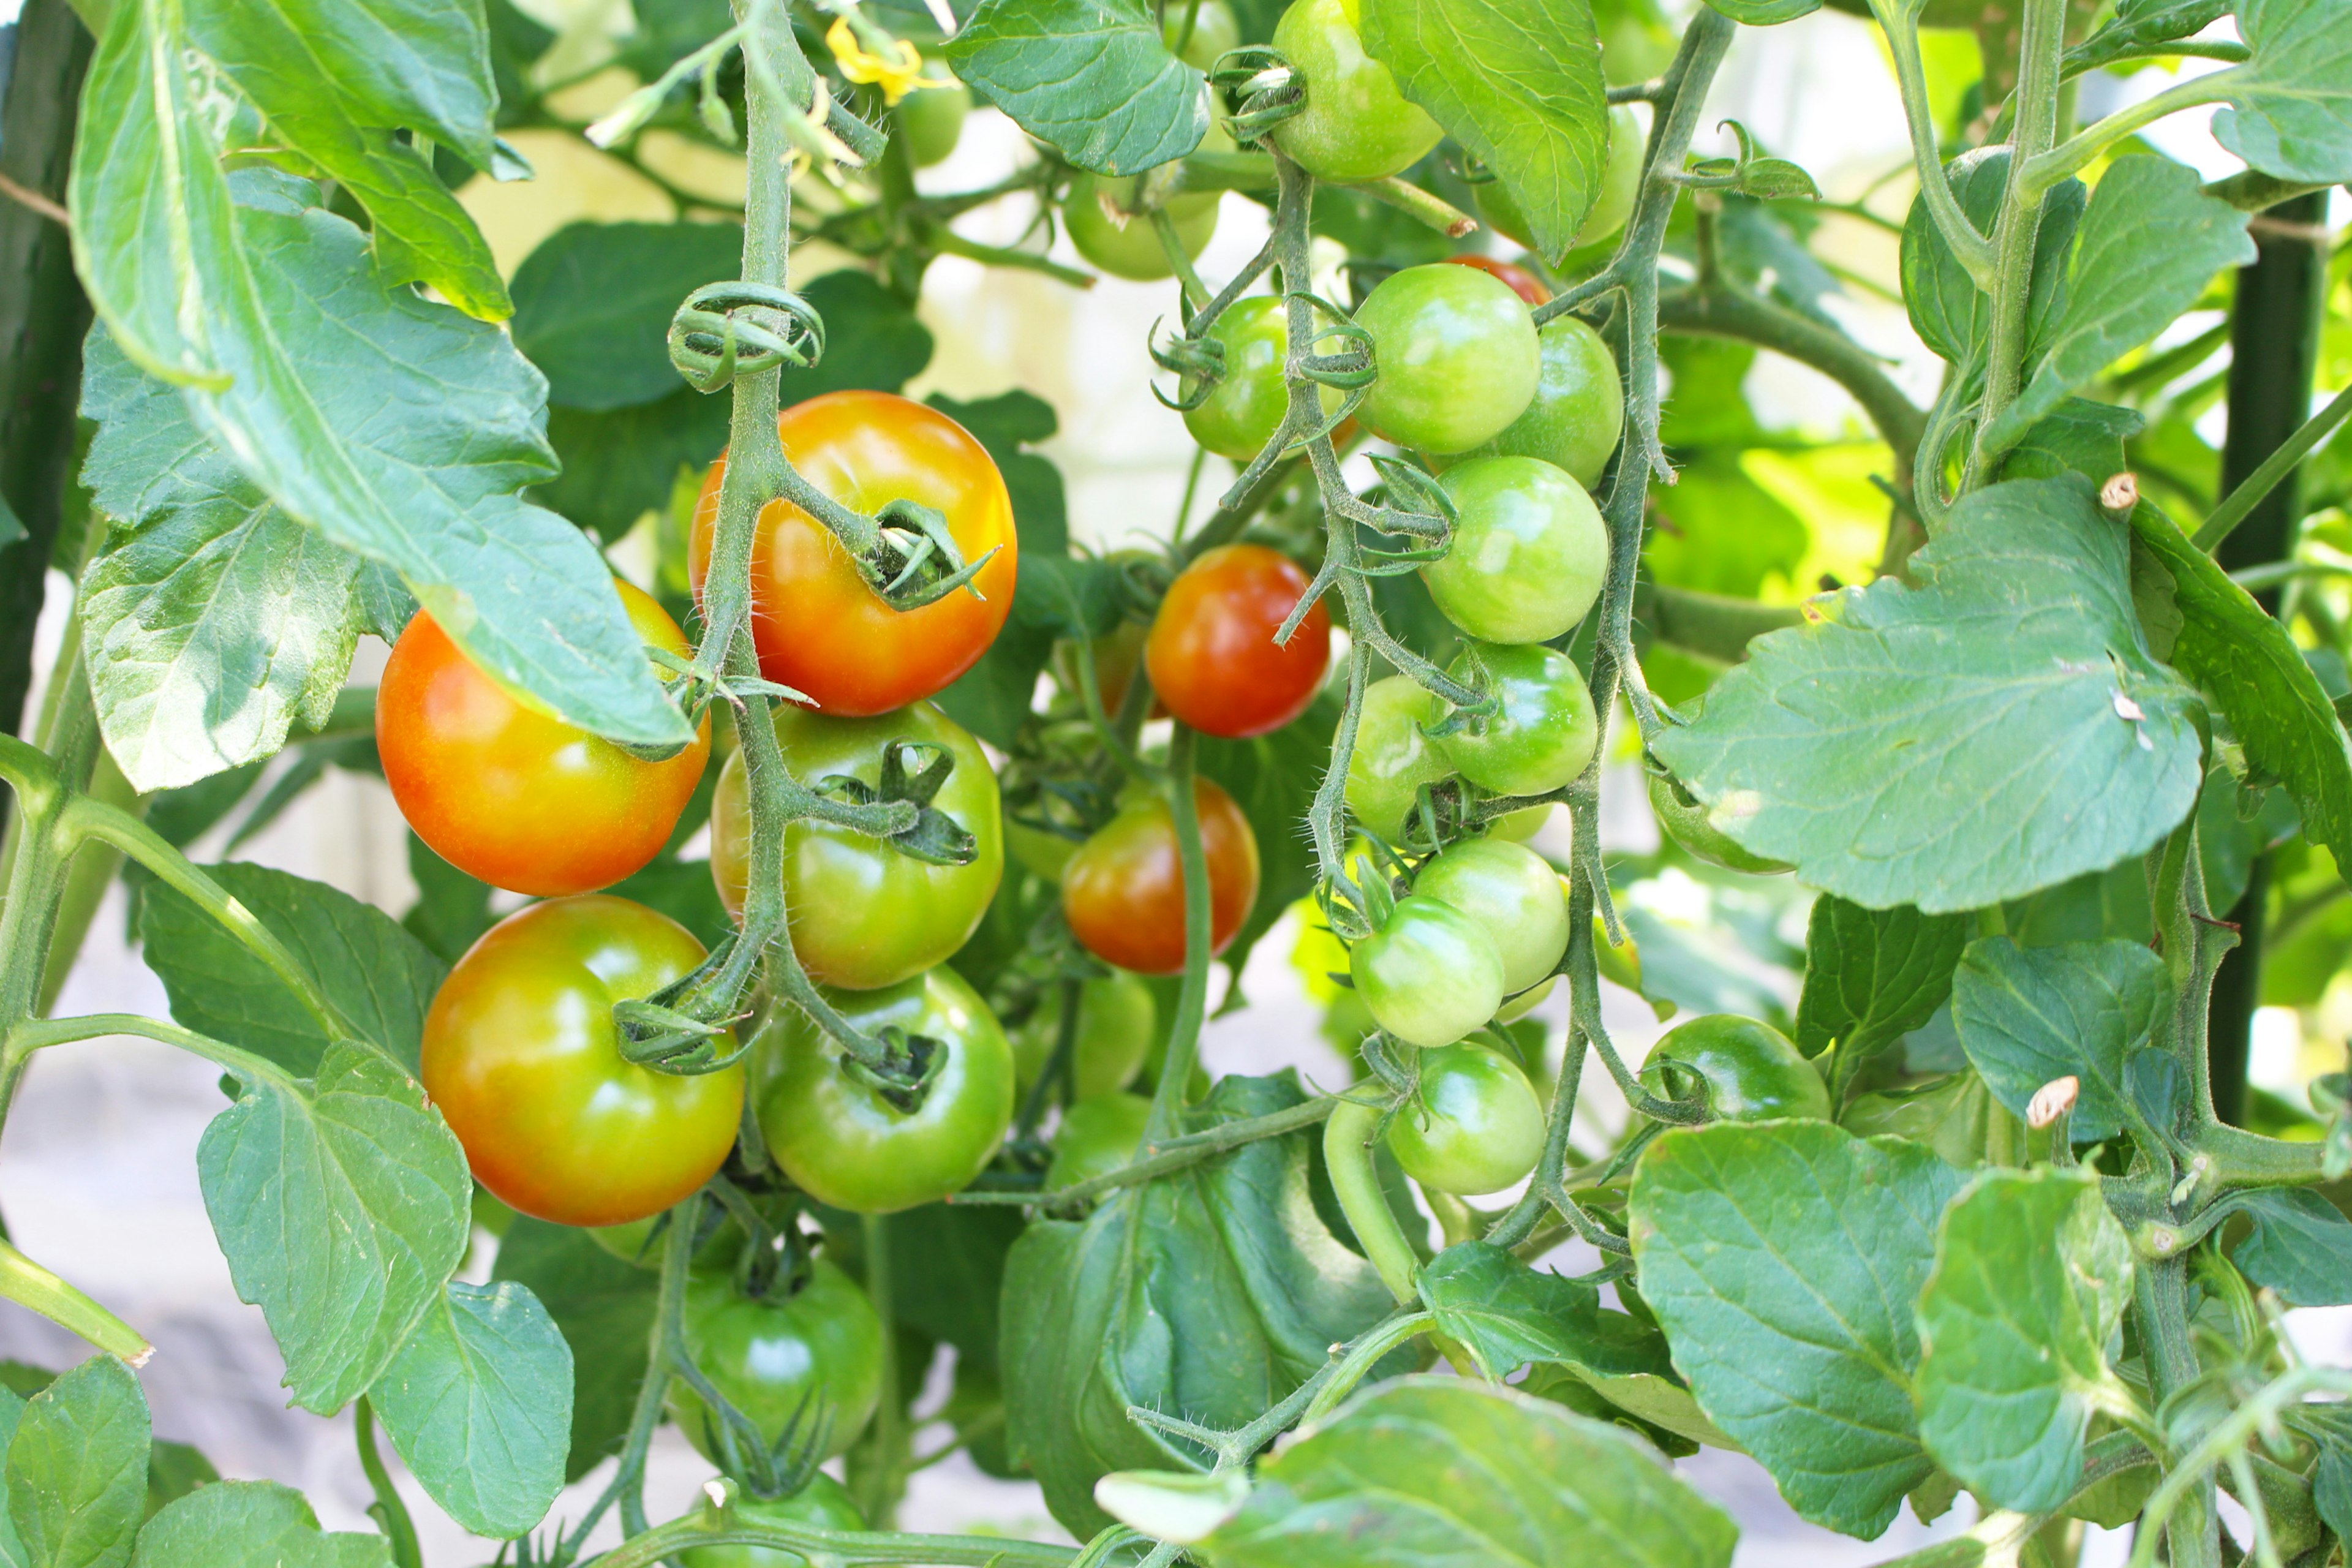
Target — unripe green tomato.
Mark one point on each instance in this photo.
(769, 1354)
(931, 118)
(1541, 734)
(1042, 853)
(1684, 817)
(1132, 249)
(1430, 974)
(1356, 124)
(1457, 353)
(1515, 897)
(1753, 1072)
(1393, 758)
(1515, 1008)
(1578, 415)
(1613, 203)
(1214, 31)
(1520, 825)
(1475, 1127)
(1116, 1023)
(823, 1502)
(1528, 553)
(1246, 407)
(1096, 1137)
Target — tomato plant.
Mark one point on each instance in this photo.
(1752, 1070)
(1430, 974)
(1473, 1125)
(823, 1502)
(1509, 893)
(1458, 358)
(1212, 657)
(1393, 756)
(1123, 891)
(1578, 414)
(1527, 555)
(1541, 732)
(801, 1349)
(1249, 402)
(1356, 124)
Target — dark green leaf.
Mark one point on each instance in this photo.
(605, 1308)
(1998, 729)
(1874, 975)
(2031, 1277)
(174, 1470)
(2301, 1247)
(668, 32)
(1007, 424)
(1765, 13)
(2331, 1491)
(993, 697)
(1951, 313)
(1090, 76)
(1730, 534)
(593, 303)
(871, 341)
(683, 890)
(949, 1274)
(619, 465)
(516, 40)
(2079, 437)
(76, 1469)
(1783, 1260)
(246, 1524)
(2292, 114)
(451, 909)
(2031, 1015)
(1505, 1313)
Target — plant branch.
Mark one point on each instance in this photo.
(1192, 998)
(1160, 1159)
(2043, 46)
(1900, 21)
(2275, 468)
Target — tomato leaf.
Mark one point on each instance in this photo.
(1518, 83)
(1783, 1259)
(236, 1524)
(479, 1404)
(2301, 1247)
(1091, 78)
(343, 1206)
(991, 698)
(1765, 13)
(1949, 312)
(2031, 1277)
(2029, 1015)
(76, 1469)
(1874, 975)
(604, 1308)
(593, 303)
(1997, 729)
(2077, 436)
(1441, 1470)
(2292, 102)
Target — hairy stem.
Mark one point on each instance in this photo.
(2019, 223)
(1192, 998)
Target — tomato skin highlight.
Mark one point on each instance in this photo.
(767, 1354)
(864, 915)
(1357, 125)
(843, 1143)
(819, 629)
(1515, 897)
(1528, 554)
(1753, 1072)
(1544, 731)
(1457, 356)
(1123, 891)
(1475, 1127)
(1430, 974)
(521, 1055)
(510, 796)
(1212, 656)
(823, 1502)
(1522, 283)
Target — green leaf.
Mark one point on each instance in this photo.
(1210, 1294)
(1765, 13)
(605, 1308)
(381, 979)
(77, 1470)
(2292, 101)
(2031, 1277)
(479, 1404)
(174, 1470)
(1273, 779)
(2301, 1247)
(1443, 1473)
(1998, 729)
(1732, 533)
(1092, 78)
(2242, 656)
(593, 303)
(2150, 242)
(1951, 313)
(872, 341)
(619, 465)
(1518, 83)
(1874, 975)
(243, 1525)
(991, 698)
(2077, 436)
(343, 1206)
(947, 1275)
(451, 908)
(2029, 1015)
(1504, 1312)
(1783, 1259)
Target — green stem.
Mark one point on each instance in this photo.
(662, 1343)
(2275, 468)
(1713, 625)
(32, 1286)
(1419, 204)
(1348, 1156)
(1361, 1358)
(2046, 167)
(389, 1510)
(1159, 1159)
(710, 1526)
(877, 1465)
(1975, 252)
(1192, 997)
(2043, 46)
(2160, 1302)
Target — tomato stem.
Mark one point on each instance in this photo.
(1192, 997)
(389, 1511)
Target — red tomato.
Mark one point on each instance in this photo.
(1123, 891)
(510, 796)
(1524, 283)
(819, 628)
(1212, 654)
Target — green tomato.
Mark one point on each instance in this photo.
(1753, 1072)
(1393, 758)
(823, 1502)
(1578, 415)
(1530, 551)
(1544, 730)
(931, 118)
(843, 1143)
(1246, 407)
(1132, 249)
(1475, 1127)
(1214, 31)
(1457, 357)
(1041, 853)
(1613, 203)
(1684, 817)
(1515, 1008)
(1430, 974)
(1356, 125)
(767, 1354)
(1096, 1137)
(1515, 897)
(1520, 825)
(1117, 1021)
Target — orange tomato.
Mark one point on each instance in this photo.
(1212, 654)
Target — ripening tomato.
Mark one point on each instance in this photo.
(1514, 896)
(767, 1354)
(1123, 891)
(1096, 1137)
(863, 914)
(1457, 353)
(1356, 124)
(1528, 553)
(1753, 1071)
(510, 796)
(1212, 656)
(1476, 1126)
(821, 630)
(843, 1143)
(1393, 758)
(521, 1055)
(1541, 736)
(1684, 818)
(1523, 283)
(1578, 414)
(1430, 974)
(1117, 1024)
(1613, 203)
(823, 1502)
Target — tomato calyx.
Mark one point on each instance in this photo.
(726, 330)
(673, 1030)
(912, 770)
(1270, 88)
(903, 1079)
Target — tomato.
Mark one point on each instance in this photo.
(1117, 1021)
(1513, 895)
(1356, 125)
(1578, 412)
(843, 1143)
(1430, 974)
(1123, 891)
(1524, 283)
(1613, 203)
(1753, 1072)
(1520, 825)
(1116, 654)
(1246, 407)
(1212, 656)
(1456, 354)
(1476, 1126)
(819, 629)
(1393, 758)
(823, 1502)
(863, 914)
(521, 1055)
(931, 118)
(1683, 818)
(1096, 1137)
(1132, 249)
(1215, 30)
(510, 796)
(1528, 554)
(766, 1354)
(1541, 737)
